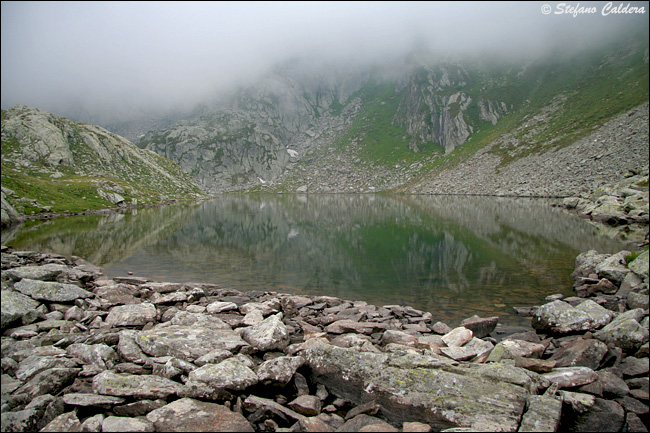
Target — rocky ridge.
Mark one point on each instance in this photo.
(84, 353)
(601, 158)
(297, 112)
(60, 151)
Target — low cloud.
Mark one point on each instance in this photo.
(124, 58)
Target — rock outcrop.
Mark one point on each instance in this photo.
(60, 150)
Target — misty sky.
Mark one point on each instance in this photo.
(94, 56)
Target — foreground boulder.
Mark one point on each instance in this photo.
(189, 415)
(559, 316)
(437, 392)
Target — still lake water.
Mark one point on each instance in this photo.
(452, 256)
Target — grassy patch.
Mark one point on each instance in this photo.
(70, 193)
(633, 255)
(379, 141)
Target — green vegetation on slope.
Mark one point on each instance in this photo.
(555, 101)
(378, 140)
(41, 186)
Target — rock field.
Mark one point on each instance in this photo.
(84, 353)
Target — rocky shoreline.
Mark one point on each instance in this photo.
(84, 353)
(621, 208)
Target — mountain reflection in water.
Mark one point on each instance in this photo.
(452, 256)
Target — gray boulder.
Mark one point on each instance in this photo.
(638, 299)
(625, 331)
(407, 387)
(99, 355)
(198, 320)
(49, 381)
(604, 415)
(132, 315)
(51, 291)
(230, 374)
(614, 268)
(67, 422)
(130, 385)
(279, 369)
(543, 414)
(640, 265)
(125, 424)
(586, 263)
(569, 377)
(8, 215)
(90, 399)
(511, 349)
(475, 348)
(582, 353)
(14, 306)
(34, 364)
(187, 343)
(457, 337)
(559, 316)
(267, 335)
(47, 272)
(219, 307)
(189, 415)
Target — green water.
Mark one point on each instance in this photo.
(452, 256)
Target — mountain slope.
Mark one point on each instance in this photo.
(306, 127)
(53, 164)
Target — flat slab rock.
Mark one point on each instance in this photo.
(192, 415)
(185, 342)
(411, 387)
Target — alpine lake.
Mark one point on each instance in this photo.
(453, 256)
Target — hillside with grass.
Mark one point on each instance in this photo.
(54, 165)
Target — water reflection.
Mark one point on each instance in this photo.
(453, 256)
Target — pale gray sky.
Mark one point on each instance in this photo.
(135, 55)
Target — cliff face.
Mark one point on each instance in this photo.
(263, 130)
(300, 108)
(437, 108)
